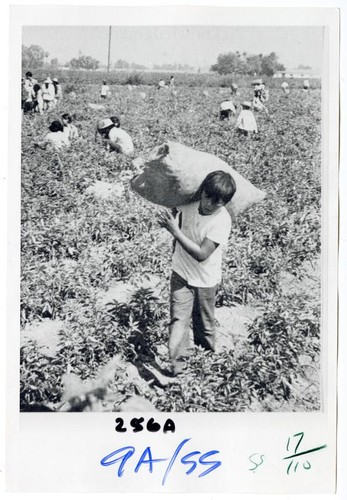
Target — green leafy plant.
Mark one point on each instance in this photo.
(74, 244)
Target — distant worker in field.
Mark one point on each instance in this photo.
(172, 85)
(227, 108)
(161, 84)
(234, 89)
(29, 81)
(24, 95)
(257, 87)
(116, 139)
(105, 89)
(27, 98)
(27, 92)
(199, 238)
(70, 130)
(306, 85)
(37, 99)
(58, 91)
(245, 122)
(258, 105)
(56, 137)
(285, 88)
(48, 94)
(264, 93)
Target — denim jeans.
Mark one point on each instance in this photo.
(189, 302)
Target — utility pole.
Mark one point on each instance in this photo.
(109, 49)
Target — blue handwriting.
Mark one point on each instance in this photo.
(194, 460)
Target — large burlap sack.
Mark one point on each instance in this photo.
(173, 175)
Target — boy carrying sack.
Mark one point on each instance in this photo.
(196, 264)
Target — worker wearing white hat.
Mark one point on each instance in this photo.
(115, 138)
(227, 108)
(48, 94)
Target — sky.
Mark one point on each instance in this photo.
(198, 46)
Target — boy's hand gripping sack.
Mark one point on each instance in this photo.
(174, 173)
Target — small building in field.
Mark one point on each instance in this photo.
(297, 73)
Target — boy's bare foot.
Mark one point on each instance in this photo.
(162, 379)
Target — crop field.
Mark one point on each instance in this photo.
(95, 265)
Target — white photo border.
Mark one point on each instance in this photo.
(21, 426)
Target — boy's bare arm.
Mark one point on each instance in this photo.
(198, 252)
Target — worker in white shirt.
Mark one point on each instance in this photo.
(116, 139)
(227, 108)
(105, 89)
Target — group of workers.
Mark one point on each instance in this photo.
(246, 122)
(62, 132)
(40, 98)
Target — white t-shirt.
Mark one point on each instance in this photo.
(104, 89)
(122, 138)
(196, 227)
(58, 139)
(246, 121)
(48, 92)
(284, 85)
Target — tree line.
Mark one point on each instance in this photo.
(237, 63)
(34, 57)
(247, 64)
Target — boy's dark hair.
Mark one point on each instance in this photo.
(115, 120)
(56, 126)
(28, 74)
(67, 117)
(36, 87)
(220, 186)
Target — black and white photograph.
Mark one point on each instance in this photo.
(171, 218)
(177, 225)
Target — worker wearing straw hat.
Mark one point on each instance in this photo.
(48, 94)
(227, 108)
(116, 139)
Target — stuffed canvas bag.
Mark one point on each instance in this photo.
(173, 174)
